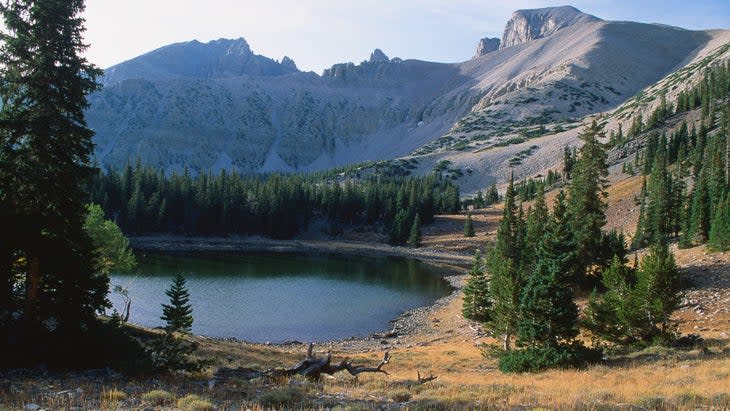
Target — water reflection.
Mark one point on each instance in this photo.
(276, 297)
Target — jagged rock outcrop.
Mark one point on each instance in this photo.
(486, 46)
(526, 25)
(289, 63)
(377, 56)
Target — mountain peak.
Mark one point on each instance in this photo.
(236, 47)
(222, 58)
(377, 56)
(531, 24)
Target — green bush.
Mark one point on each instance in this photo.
(536, 359)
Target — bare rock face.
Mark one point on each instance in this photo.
(377, 56)
(289, 63)
(527, 25)
(486, 46)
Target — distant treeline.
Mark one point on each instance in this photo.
(143, 200)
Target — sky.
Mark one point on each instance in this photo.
(320, 33)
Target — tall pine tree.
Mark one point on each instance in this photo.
(477, 300)
(720, 229)
(415, 237)
(587, 201)
(506, 268)
(45, 147)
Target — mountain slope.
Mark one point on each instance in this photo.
(534, 156)
(254, 123)
(218, 105)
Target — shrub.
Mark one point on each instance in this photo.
(653, 402)
(158, 397)
(400, 396)
(536, 359)
(192, 402)
(114, 395)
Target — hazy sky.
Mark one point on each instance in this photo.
(319, 33)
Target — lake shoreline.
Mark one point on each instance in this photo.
(182, 244)
(409, 324)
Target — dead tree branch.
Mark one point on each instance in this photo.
(425, 379)
(311, 367)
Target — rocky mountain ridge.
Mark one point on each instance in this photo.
(527, 25)
(220, 58)
(219, 106)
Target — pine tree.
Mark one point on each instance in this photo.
(398, 228)
(492, 195)
(563, 238)
(587, 200)
(537, 222)
(547, 318)
(701, 214)
(479, 200)
(45, 146)
(658, 283)
(548, 313)
(169, 351)
(568, 162)
(415, 237)
(468, 226)
(506, 268)
(656, 223)
(477, 303)
(638, 303)
(178, 314)
(720, 229)
(614, 315)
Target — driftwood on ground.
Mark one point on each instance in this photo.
(423, 380)
(311, 367)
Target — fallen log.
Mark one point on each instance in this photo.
(311, 367)
(389, 334)
(423, 380)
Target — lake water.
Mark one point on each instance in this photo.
(277, 297)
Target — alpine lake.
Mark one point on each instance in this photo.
(275, 297)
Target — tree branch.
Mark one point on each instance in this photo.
(311, 367)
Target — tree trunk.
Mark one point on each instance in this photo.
(5, 285)
(32, 289)
(311, 367)
(505, 341)
(127, 309)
